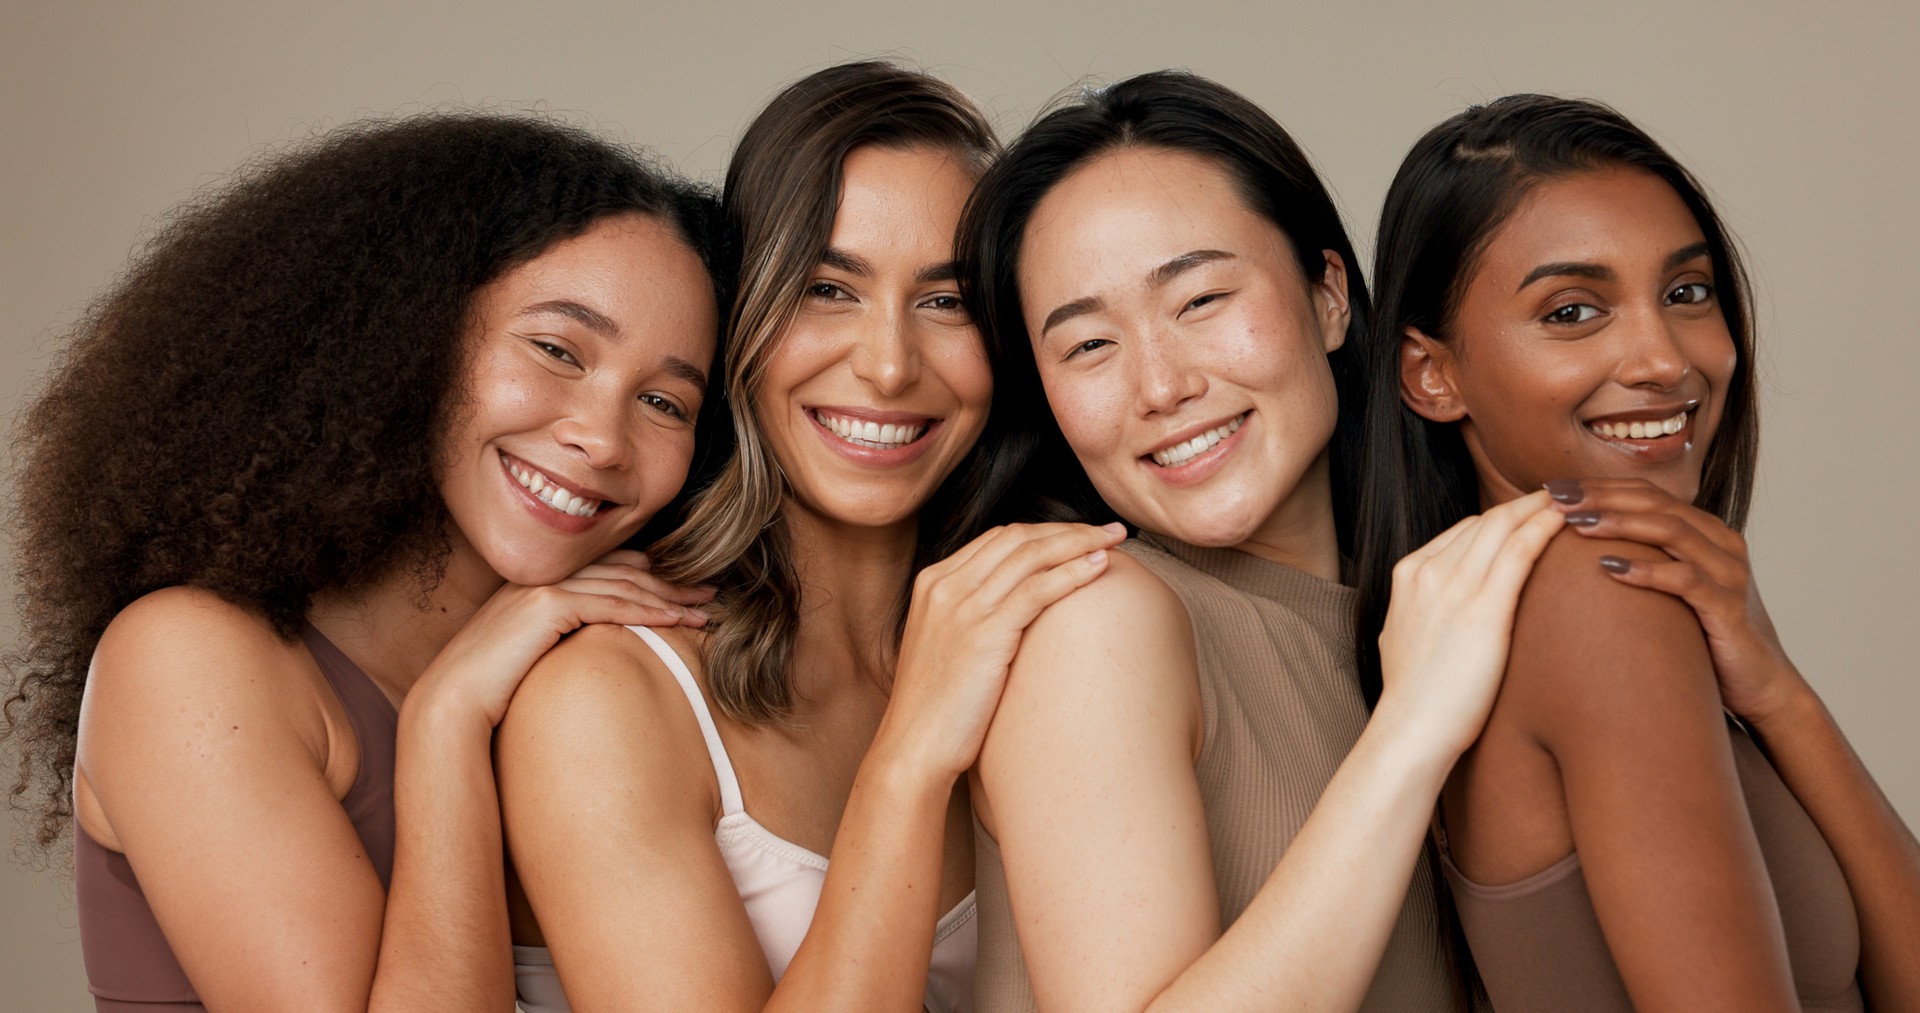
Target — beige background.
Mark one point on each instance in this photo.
(1801, 118)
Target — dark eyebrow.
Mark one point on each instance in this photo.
(684, 370)
(1566, 269)
(579, 313)
(847, 262)
(1684, 254)
(937, 272)
(1182, 264)
(1067, 311)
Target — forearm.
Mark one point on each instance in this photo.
(445, 941)
(1875, 849)
(1314, 935)
(871, 938)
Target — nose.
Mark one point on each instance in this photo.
(1653, 357)
(1165, 375)
(886, 352)
(596, 427)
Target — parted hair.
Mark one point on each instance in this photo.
(1458, 184)
(255, 406)
(1171, 110)
(782, 191)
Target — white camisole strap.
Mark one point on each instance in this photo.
(730, 802)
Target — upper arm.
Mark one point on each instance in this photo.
(205, 746)
(1618, 687)
(1087, 777)
(609, 806)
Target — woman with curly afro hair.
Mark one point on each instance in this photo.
(350, 446)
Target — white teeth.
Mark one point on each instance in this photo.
(1640, 430)
(871, 434)
(1181, 452)
(550, 493)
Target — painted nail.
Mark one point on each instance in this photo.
(1614, 564)
(1565, 490)
(1584, 518)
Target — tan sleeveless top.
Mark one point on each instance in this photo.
(1281, 707)
(1538, 942)
(130, 967)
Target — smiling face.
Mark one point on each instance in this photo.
(879, 385)
(1183, 352)
(584, 369)
(1588, 343)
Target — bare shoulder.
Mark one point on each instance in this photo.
(187, 651)
(1128, 601)
(1585, 644)
(603, 701)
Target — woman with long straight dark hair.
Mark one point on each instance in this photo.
(1183, 800)
(1560, 304)
(671, 801)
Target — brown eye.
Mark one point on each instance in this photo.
(1690, 294)
(1572, 313)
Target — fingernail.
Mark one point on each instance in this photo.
(1565, 490)
(1613, 564)
(1114, 526)
(1097, 556)
(707, 589)
(698, 614)
(1584, 518)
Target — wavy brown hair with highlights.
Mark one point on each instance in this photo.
(254, 407)
(782, 190)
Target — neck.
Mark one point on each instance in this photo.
(394, 628)
(1300, 532)
(851, 580)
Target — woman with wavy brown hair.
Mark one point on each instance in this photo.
(670, 799)
(354, 441)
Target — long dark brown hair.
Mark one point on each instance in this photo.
(782, 190)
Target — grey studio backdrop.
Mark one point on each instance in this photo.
(1800, 117)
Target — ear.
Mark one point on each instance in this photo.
(1330, 307)
(1426, 378)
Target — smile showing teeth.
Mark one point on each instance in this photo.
(876, 435)
(1186, 450)
(546, 491)
(1640, 430)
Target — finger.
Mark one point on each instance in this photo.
(1682, 580)
(1024, 603)
(1637, 495)
(685, 594)
(622, 611)
(627, 557)
(578, 588)
(1506, 573)
(1439, 543)
(1039, 551)
(1672, 535)
(1474, 554)
(993, 548)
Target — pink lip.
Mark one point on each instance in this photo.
(1202, 466)
(874, 456)
(565, 523)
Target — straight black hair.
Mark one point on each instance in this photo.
(1175, 111)
(1454, 190)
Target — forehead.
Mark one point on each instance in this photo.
(1608, 216)
(902, 198)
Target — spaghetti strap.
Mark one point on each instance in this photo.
(730, 802)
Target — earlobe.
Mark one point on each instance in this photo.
(1330, 301)
(1426, 383)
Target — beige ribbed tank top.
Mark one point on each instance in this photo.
(1281, 706)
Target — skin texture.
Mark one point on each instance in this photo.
(1093, 748)
(1614, 746)
(230, 816)
(866, 768)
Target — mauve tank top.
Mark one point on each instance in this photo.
(130, 967)
(1539, 945)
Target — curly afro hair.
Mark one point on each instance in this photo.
(254, 407)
